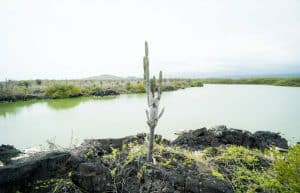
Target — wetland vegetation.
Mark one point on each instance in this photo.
(52, 89)
(55, 89)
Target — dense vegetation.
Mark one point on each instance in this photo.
(267, 81)
(40, 89)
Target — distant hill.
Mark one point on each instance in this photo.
(104, 77)
(201, 75)
(110, 77)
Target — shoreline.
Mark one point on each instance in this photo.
(12, 91)
(108, 96)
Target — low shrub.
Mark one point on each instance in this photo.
(135, 88)
(286, 168)
(196, 83)
(62, 91)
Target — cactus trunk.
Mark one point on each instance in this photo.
(150, 145)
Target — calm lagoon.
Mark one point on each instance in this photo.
(251, 107)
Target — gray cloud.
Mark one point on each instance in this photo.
(74, 39)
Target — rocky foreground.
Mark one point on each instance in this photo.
(217, 160)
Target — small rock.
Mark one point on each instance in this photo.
(17, 175)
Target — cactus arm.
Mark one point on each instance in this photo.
(153, 86)
(147, 74)
(147, 115)
(161, 112)
(159, 87)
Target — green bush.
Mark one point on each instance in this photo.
(168, 88)
(287, 169)
(128, 86)
(177, 84)
(24, 83)
(139, 88)
(90, 90)
(196, 83)
(62, 91)
(135, 88)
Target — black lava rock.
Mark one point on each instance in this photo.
(221, 135)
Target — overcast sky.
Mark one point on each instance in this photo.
(79, 38)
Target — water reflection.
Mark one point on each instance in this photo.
(62, 104)
(55, 104)
(14, 108)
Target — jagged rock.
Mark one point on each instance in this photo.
(157, 179)
(92, 149)
(221, 135)
(107, 144)
(125, 179)
(264, 139)
(92, 177)
(7, 152)
(177, 176)
(105, 93)
(17, 175)
(100, 147)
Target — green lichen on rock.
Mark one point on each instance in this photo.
(217, 174)
(113, 155)
(90, 153)
(54, 185)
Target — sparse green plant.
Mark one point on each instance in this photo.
(217, 174)
(90, 153)
(113, 172)
(142, 170)
(135, 152)
(113, 155)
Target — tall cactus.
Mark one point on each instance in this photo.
(153, 92)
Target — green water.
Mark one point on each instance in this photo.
(251, 107)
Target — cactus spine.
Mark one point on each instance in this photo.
(153, 92)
